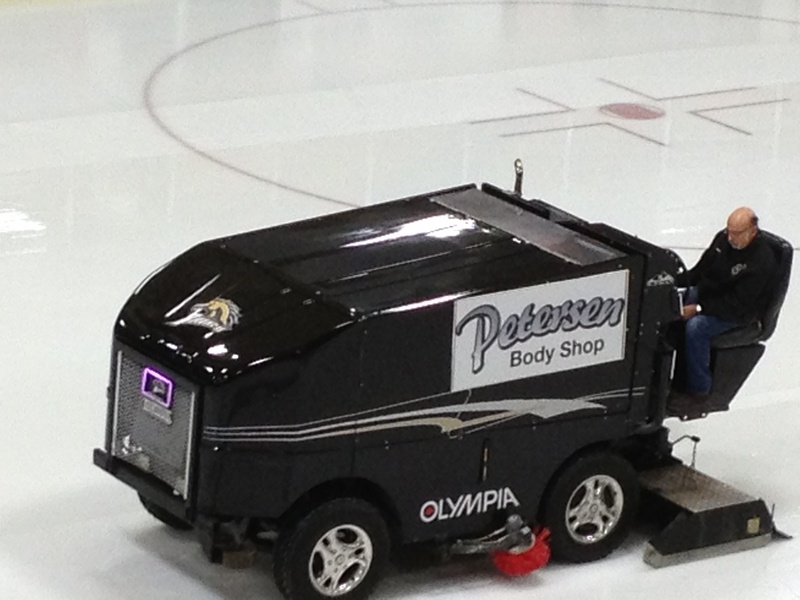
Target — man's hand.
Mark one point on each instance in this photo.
(689, 311)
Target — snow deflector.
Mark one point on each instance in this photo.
(711, 517)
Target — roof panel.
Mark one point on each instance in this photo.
(412, 251)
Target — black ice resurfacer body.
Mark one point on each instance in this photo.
(465, 368)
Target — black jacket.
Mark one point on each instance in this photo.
(732, 284)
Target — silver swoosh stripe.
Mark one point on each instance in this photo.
(348, 419)
(441, 417)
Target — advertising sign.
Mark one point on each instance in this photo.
(538, 330)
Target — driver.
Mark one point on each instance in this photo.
(726, 289)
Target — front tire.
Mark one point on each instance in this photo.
(591, 507)
(164, 516)
(338, 550)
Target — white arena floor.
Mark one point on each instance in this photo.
(133, 129)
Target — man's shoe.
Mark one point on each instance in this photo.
(682, 404)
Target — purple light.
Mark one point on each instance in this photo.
(157, 387)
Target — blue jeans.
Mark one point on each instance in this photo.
(699, 331)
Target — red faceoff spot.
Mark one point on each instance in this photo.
(625, 110)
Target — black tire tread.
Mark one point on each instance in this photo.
(166, 517)
(563, 547)
(289, 542)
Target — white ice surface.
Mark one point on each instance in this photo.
(132, 129)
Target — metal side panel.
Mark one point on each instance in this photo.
(712, 519)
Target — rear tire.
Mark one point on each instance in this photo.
(591, 506)
(338, 550)
(164, 516)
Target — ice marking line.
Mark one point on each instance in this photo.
(148, 90)
(552, 129)
(661, 99)
(312, 7)
(696, 113)
(516, 117)
(633, 133)
(563, 109)
(539, 97)
(746, 104)
(569, 127)
(149, 104)
(694, 11)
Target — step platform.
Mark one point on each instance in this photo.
(711, 517)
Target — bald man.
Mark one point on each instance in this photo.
(726, 289)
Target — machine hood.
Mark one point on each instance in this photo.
(211, 314)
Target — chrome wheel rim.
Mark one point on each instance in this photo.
(340, 560)
(594, 509)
